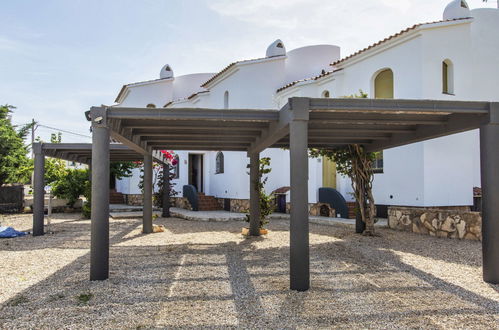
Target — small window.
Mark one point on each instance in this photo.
(378, 163)
(151, 105)
(226, 100)
(447, 77)
(219, 168)
(176, 168)
(280, 45)
(325, 94)
(464, 4)
(383, 85)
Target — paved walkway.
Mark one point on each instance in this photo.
(227, 216)
(129, 212)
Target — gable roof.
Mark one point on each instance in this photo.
(185, 98)
(122, 90)
(403, 32)
(224, 70)
(322, 75)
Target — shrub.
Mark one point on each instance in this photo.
(71, 185)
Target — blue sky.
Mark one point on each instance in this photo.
(59, 57)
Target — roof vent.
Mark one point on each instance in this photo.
(456, 9)
(276, 49)
(166, 72)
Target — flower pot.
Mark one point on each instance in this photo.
(263, 231)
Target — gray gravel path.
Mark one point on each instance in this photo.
(207, 275)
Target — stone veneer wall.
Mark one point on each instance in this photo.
(242, 206)
(181, 202)
(133, 199)
(436, 222)
(239, 205)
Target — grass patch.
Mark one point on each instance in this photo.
(84, 298)
(55, 297)
(18, 300)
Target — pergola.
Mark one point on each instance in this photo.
(82, 153)
(301, 124)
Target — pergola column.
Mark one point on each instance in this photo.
(254, 194)
(99, 246)
(147, 196)
(38, 190)
(489, 156)
(166, 191)
(299, 241)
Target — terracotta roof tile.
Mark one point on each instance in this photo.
(291, 84)
(415, 26)
(281, 190)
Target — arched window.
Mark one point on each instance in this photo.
(325, 94)
(383, 84)
(383, 89)
(219, 168)
(151, 105)
(176, 168)
(447, 77)
(226, 100)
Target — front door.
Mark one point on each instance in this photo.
(196, 171)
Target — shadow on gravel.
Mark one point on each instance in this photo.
(356, 282)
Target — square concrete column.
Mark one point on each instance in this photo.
(38, 190)
(489, 157)
(166, 191)
(254, 194)
(299, 232)
(99, 245)
(147, 196)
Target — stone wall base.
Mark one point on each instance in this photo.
(315, 209)
(181, 203)
(450, 223)
(133, 199)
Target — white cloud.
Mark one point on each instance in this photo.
(351, 24)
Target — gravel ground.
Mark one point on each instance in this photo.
(206, 275)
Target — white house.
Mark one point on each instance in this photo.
(452, 59)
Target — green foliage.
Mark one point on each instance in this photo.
(71, 186)
(87, 206)
(84, 298)
(55, 169)
(13, 152)
(353, 161)
(158, 197)
(266, 201)
(120, 170)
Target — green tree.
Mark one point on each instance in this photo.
(353, 161)
(71, 185)
(55, 169)
(13, 151)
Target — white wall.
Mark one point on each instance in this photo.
(158, 93)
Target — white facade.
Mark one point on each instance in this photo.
(439, 172)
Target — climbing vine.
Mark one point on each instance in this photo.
(266, 201)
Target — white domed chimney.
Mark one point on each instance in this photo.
(166, 72)
(457, 9)
(276, 49)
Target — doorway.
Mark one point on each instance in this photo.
(196, 171)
